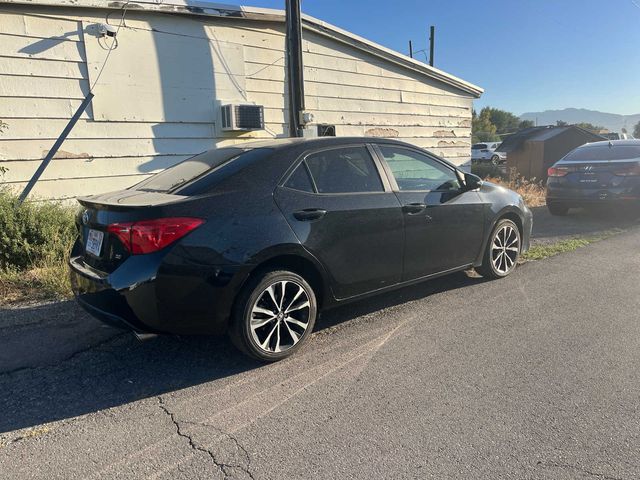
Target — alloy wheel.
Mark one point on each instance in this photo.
(280, 316)
(505, 249)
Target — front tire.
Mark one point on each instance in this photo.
(502, 252)
(495, 160)
(273, 316)
(557, 209)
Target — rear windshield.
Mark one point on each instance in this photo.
(184, 172)
(479, 146)
(604, 152)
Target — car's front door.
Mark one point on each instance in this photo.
(443, 222)
(345, 213)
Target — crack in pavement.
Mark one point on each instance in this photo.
(95, 346)
(225, 468)
(567, 466)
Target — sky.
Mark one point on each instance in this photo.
(528, 55)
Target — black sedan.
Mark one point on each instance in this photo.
(595, 174)
(256, 239)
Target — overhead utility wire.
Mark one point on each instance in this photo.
(114, 43)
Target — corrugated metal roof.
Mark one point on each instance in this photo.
(193, 7)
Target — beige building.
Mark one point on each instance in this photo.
(176, 63)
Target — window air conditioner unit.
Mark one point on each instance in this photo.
(242, 118)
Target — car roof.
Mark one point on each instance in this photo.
(319, 142)
(615, 143)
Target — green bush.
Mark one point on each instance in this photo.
(34, 234)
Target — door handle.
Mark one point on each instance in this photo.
(414, 208)
(309, 214)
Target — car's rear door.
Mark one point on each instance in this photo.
(344, 212)
(444, 224)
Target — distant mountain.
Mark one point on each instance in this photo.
(611, 121)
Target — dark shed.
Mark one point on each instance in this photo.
(533, 150)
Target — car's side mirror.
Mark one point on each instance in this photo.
(472, 182)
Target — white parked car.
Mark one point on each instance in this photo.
(486, 152)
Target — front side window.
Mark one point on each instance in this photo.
(344, 170)
(416, 171)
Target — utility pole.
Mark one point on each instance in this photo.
(410, 48)
(295, 67)
(432, 45)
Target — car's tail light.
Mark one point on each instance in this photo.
(557, 171)
(149, 236)
(627, 170)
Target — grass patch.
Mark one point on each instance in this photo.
(539, 252)
(35, 242)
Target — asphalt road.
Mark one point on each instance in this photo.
(535, 376)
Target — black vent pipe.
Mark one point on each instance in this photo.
(295, 67)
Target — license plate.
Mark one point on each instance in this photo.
(589, 178)
(94, 242)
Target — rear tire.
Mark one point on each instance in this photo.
(502, 252)
(557, 209)
(273, 316)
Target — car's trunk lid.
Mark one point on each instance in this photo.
(101, 249)
(597, 174)
(124, 200)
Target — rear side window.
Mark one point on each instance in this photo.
(604, 152)
(221, 162)
(300, 180)
(344, 170)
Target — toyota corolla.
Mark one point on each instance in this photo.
(255, 240)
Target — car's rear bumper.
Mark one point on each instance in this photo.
(147, 296)
(590, 196)
(95, 295)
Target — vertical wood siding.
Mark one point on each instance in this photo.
(158, 99)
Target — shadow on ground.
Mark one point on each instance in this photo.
(56, 362)
(117, 369)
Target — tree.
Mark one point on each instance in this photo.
(590, 127)
(561, 123)
(636, 131)
(483, 130)
(505, 122)
(493, 124)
